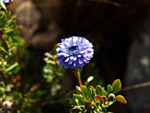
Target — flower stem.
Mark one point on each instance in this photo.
(79, 76)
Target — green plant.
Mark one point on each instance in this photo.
(52, 72)
(72, 53)
(86, 98)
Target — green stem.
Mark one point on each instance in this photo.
(79, 76)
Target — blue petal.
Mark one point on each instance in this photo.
(79, 65)
(75, 39)
(85, 60)
(66, 44)
(61, 61)
(62, 54)
(66, 65)
(80, 61)
(70, 62)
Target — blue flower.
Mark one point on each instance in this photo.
(6, 1)
(74, 51)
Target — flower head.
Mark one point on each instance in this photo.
(74, 51)
(7, 104)
(7, 1)
(111, 96)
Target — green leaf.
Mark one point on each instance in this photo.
(70, 94)
(121, 99)
(9, 87)
(2, 5)
(18, 111)
(90, 93)
(76, 109)
(116, 85)
(84, 91)
(104, 97)
(54, 88)
(94, 93)
(2, 90)
(99, 90)
(67, 102)
(12, 67)
(109, 88)
(78, 88)
(18, 95)
(110, 103)
(94, 111)
(88, 104)
(80, 98)
(104, 92)
(2, 84)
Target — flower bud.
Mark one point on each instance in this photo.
(7, 106)
(111, 96)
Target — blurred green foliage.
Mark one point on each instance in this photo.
(10, 50)
(52, 72)
(17, 79)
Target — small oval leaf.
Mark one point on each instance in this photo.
(79, 97)
(90, 91)
(109, 88)
(2, 90)
(99, 90)
(116, 85)
(84, 91)
(70, 94)
(121, 99)
(104, 92)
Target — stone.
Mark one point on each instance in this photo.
(138, 67)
